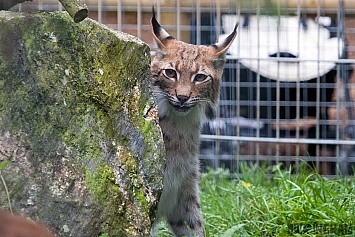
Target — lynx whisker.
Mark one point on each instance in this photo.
(206, 100)
(160, 93)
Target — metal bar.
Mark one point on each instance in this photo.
(218, 27)
(99, 11)
(278, 82)
(119, 15)
(318, 111)
(237, 90)
(270, 158)
(224, 10)
(279, 140)
(294, 60)
(258, 83)
(139, 19)
(40, 5)
(307, 158)
(298, 87)
(338, 100)
(341, 151)
(198, 22)
(178, 21)
(158, 10)
(60, 7)
(218, 20)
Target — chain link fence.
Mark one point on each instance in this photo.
(288, 88)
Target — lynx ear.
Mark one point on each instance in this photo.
(220, 48)
(160, 35)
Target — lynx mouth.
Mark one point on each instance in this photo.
(182, 108)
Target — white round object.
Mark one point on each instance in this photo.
(313, 52)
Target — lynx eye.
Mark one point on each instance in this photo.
(200, 78)
(170, 73)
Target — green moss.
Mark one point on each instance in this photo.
(102, 184)
(151, 135)
(75, 85)
(119, 211)
(75, 82)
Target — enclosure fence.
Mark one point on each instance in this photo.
(288, 87)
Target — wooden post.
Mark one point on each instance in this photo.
(77, 10)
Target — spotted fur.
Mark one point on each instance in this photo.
(186, 83)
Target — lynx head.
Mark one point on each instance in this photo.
(186, 78)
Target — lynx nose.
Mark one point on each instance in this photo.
(182, 99)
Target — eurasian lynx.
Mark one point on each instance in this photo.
(186, 82)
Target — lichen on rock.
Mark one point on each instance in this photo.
(84, 158)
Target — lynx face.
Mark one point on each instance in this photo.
(187, 77)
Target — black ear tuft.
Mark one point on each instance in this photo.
(230, 38)
(160, 35)
(222, 47)
(156, 26)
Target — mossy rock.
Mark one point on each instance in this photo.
(85, 159)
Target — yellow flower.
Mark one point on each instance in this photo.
(247, 185)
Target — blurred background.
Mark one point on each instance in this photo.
(288, 88)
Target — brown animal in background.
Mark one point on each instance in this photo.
(15, 226)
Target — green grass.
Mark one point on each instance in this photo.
(2, 167)
(269, 201)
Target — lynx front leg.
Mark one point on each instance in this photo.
(186, 218)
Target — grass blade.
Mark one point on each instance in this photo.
(230, 232)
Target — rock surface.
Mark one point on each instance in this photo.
(83, 156)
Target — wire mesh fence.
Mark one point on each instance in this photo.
(288, 87)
